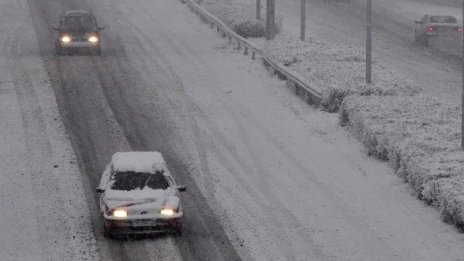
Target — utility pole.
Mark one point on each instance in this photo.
(258, 9)
(462, 94)
(270, 16)
(303, 20)
(369, 43)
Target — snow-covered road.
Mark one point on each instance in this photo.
(268, 177)
(44, 210)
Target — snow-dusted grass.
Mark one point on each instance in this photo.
(420, 137)
(337, 69)
(453, 3)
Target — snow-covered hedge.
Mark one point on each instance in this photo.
(420, 137)
(338, 70)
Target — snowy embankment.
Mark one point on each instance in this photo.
(417, 134)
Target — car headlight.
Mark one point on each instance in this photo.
(120, 213)
(65, 38)
(93, 39)
(167, 212)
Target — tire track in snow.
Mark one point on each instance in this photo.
(148, 129)
(57, 195)
(89, 120)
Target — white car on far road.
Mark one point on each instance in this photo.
(138, 195)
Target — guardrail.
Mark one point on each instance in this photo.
(310, 94)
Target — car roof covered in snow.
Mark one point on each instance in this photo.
(74, 13)
(139, 161)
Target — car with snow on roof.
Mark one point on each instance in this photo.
(434, 26)
(138, 195)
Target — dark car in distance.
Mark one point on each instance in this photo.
(78, 30)
(436, 26)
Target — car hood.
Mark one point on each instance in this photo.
(77, 33)
(141, 198)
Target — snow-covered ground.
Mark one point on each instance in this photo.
(287, 182)
(44, 211)
(391, 125)
(274, 178)
(451, 3)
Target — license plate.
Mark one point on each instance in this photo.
(144, 223)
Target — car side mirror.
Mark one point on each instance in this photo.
(181, 188)
(100, 190)
(55, 28)
(101, 28)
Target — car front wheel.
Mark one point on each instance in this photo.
(425, 41)
(97, 51)
(107, 233)
(60, 50)
(177, 228)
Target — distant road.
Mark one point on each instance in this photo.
(436, 69)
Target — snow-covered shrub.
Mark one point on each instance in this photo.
(333, 99)
(250, 28)
(230, 12)
(448, 195)
(240, 17)
(420, 137)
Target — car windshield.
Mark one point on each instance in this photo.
(135, 180)
(79, 23)
(443, 19)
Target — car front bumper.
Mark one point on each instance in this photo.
(80, 45)
(141, 226)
